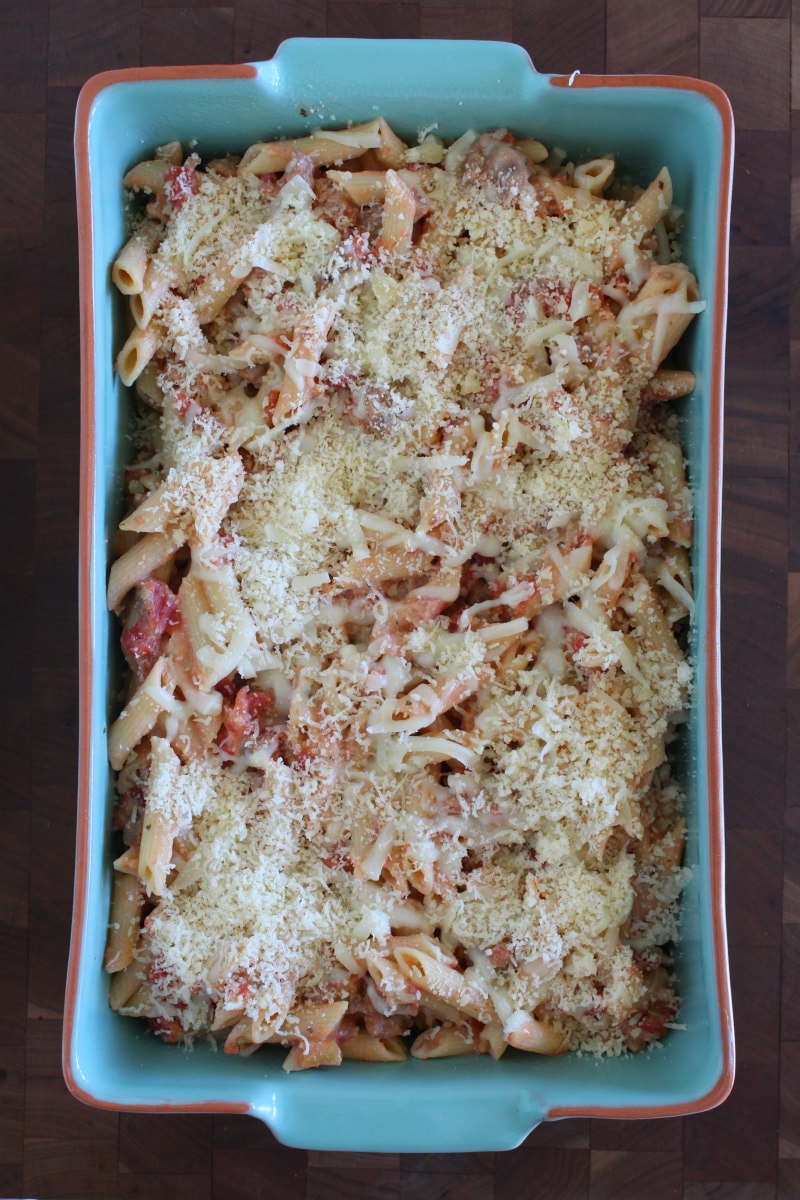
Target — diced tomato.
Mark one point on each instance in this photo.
(499, 955)
(603, 307)
(229, 686)
(651, 1024)
(576, 641)
(282, 752)
(470, 862)
(526, 607)
(269, 185)
(658, 1010)
(241, 721)
(621, 282)
(653, 393)
(167, 1028)
(356, 248)
(586, 351)
(302, 755)
(153, 616)
(454, 613)
(553, 295)
(183, 403)
(477, 578)
(156, 971)
(299, 164)
(179, 184)
(339, 859)
(271, 403)
(240, 985)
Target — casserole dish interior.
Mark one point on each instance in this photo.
(444, 1105)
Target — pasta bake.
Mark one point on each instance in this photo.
(402, 580)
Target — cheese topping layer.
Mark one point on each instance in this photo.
(400, 580)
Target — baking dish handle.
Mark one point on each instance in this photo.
(380, 1118)
(354, 71)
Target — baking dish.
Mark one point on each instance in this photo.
(646, 122)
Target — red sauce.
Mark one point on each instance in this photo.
(153, 616)
(241, 721)
(179, 184)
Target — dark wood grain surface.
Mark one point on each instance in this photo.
(52, 1146)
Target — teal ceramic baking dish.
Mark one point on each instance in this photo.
(645, 122)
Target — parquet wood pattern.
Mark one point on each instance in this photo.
(50, 1145)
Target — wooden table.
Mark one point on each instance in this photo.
(52, 1146)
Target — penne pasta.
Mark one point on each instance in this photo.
(147, 176)
(216, 624)
(156, 282)
(594, 175)
(301, 364)
(136, 353)
(525, 1032)
(314, 1054)
(399, 210)
(141, 560)
(213, 292)
(651, 206)
(325, 148)
(444, 1041)
(124, 985)
(369, 187)
(365, 1047)
(139, 715)
(158, 829)
(317, 1022)
(131, 265)
(123, 927)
